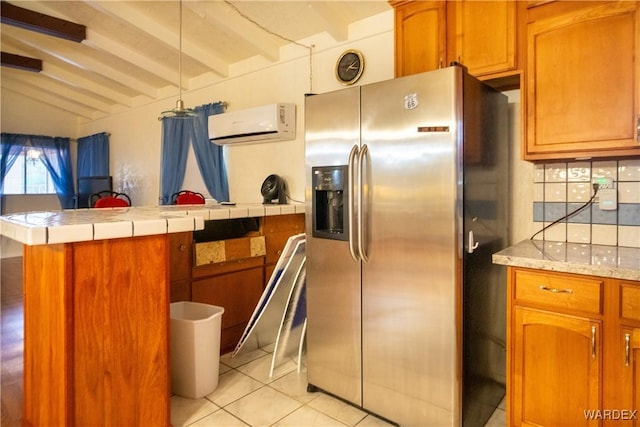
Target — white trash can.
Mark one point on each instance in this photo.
(195, 348)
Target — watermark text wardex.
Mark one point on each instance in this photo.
(611, 414)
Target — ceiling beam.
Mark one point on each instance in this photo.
(221, 15)
(126, 53)
(130, 15)
(50, 86)
(52, 100)
(80, 58)
(101, 41)
(21, 62)
(41, 23)
(334, 23)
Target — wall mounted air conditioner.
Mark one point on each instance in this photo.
(268, 123)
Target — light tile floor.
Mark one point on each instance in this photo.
(246, 396)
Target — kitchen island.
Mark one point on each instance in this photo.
(96, 310)
(573, 333)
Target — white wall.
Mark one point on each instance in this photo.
(136, 135)
(521, 177)
(27, 116)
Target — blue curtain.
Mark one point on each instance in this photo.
(93, 155)
(57, 159)
(11, 146)
(55, 156)
(209, 156)
(176, 137)
(177, 134)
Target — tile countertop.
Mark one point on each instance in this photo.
(595, 260)
(77, 225)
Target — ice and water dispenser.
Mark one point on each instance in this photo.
(330, 202)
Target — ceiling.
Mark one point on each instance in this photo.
(130, 55)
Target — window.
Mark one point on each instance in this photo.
(28, 175)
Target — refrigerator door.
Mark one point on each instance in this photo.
(333, 276)
(411, 283)
(486, 190)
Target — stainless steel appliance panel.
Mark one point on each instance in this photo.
(333, 278)
(414, 331)
(410, 282)
(486, 189)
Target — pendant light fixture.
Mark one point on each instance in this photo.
(179, 112)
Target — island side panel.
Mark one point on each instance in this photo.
(96, 326)
(121, 347)
(48, 335)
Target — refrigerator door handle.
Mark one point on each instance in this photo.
(473, 245)
(351, 207)
(362, 247)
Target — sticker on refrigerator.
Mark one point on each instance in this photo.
(433, 128)
(411, 101)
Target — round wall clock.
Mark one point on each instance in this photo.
(349, 66)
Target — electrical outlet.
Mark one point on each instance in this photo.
(607, 197)
(603, 183)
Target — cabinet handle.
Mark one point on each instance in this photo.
(182, 248)
(627, 349)
(556, 290)
(593, 341)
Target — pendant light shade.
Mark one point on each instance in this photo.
(180, 112)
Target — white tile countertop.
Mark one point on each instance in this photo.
(595, 260)
(77, 225)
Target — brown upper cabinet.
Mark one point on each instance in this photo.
(581, 93)
(481, 35)
(420, 37)
(576, 63)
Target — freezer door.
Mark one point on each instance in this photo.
(410, 285)
(332, 123)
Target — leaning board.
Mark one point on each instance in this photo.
(264, 324)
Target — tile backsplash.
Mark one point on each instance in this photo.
(561, 188)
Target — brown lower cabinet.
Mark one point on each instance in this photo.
(235, 285)
(573, 350)
(238, 292)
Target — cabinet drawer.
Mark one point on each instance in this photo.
(630, 301)
(559, 291)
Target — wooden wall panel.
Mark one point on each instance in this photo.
(48, 335)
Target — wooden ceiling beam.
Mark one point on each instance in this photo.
(21, 62)
(41, 23)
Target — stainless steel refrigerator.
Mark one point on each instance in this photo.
(407, 198)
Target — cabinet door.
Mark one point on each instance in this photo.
(556, 369)
(238, 293)
(582, 91)
(420, 38)
(485, 36)
(629, 395)
(180, 255)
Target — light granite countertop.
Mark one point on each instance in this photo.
(595, 260)
(77, 225)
